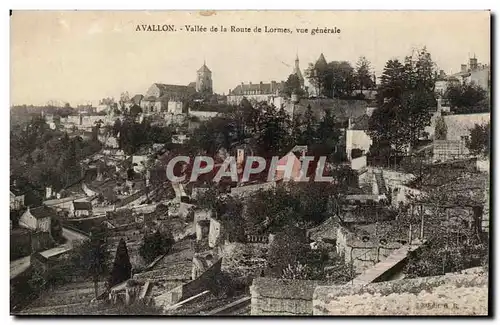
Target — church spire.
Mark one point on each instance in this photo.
(297, 72)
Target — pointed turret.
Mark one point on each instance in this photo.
(297, 72)
(321, 61)
(204, 68)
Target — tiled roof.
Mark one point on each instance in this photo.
(82, 205)
(165, 88)
(262, 88)
(321, 61)
(16, 191)
(42, 212)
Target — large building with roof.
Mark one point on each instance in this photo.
(259, 92)
(173, 98)
(263, 92)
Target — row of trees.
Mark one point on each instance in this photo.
(269, 129)
(339, 78)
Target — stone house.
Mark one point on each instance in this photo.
(357, 136)
(201, 223)
(37, 218)
(81, 209)
(16, 199)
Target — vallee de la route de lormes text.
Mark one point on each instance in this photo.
(235, 29)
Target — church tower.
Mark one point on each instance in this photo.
(296, 71)
(204, 80)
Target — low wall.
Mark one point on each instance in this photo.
(391, 177)
(362, 254)
(358, 163)
(456, 294)
(205, 281)
(41, 241)
(280, 297)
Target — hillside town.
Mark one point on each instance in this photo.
(97, 227)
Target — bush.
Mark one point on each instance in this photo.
(155, 245)
(288, 248)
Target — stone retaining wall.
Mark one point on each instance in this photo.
(455, 294)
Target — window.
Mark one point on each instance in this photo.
(464, 138)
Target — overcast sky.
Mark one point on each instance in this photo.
(83, 56)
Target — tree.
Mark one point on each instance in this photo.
(364, 74)
(441, 130)
(292, 86)
(288, 248)
(155, 245)
(121, 267)
(272, 134)
(135, 110)
(467, 98)
(479, 140)
(404, 101)
(212, 135)
(328, 134)
(340, 80)
(268, 211)
(124, 98)
(308, 134)
(117, 127)
(90, 257)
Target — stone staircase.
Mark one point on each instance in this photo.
(379, 179)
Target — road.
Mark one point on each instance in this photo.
(20, 265)
(72, 236)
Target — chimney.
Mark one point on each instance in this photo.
(438, 100)
(349, 123)
(441, 74)
(463, 68)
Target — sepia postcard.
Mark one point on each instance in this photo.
(249, 163)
